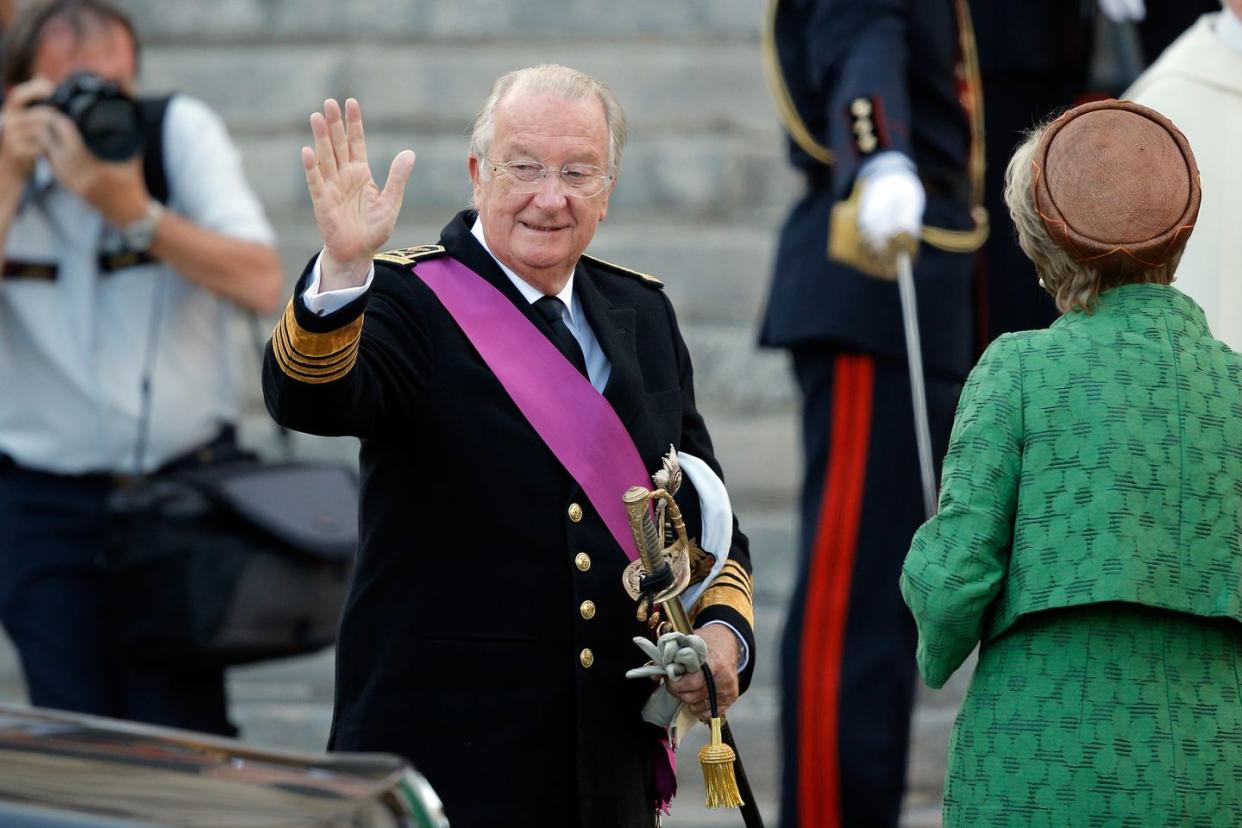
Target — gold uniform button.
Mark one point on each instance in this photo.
(575, 512)
(586, 657)
(587, 609)
(583, 561)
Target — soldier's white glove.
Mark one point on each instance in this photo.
(674, 655)
(1123, 10)
(892, 200)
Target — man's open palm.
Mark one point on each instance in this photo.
(354, 216)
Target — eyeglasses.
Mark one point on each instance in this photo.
(577, 180)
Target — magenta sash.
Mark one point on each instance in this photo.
(569, 415)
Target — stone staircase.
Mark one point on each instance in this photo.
(703, 187)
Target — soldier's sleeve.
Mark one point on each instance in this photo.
(860, 49)
(729, 599)
(957, 562)
(359, 370)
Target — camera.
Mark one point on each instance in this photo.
(106, 117)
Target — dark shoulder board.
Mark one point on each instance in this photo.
(410, 255)
(645, 278)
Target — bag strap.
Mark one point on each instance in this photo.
(151, 113)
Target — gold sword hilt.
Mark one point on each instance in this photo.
(652, 559)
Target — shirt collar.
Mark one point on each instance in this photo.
(528, 291)
(1229, 29)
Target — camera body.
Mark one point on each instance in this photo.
(104, 115)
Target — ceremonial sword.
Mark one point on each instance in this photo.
(918, 389)
(727, 785)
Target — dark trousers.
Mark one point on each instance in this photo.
(55, 606)
(847, 654)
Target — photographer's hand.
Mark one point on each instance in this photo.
(25, 128)
(115, 189)
(23, 134)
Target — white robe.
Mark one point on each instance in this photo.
(1197, 83)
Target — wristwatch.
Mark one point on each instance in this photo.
(140, 233)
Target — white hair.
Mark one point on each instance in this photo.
(568, 84)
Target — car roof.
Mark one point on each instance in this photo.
(69, 767)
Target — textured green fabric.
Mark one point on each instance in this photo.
(1098, 460)
(1107, 715)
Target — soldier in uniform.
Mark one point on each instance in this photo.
(881, 103)
(487, 634)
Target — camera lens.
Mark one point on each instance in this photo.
(105, 116)
(110, 129)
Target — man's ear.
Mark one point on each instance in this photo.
(476, 172)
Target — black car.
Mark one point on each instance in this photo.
(62, 769)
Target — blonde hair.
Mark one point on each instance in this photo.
(1073, 285)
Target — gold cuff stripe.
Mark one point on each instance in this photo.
(313, 344)
(727, 596)
(731, 588)
(724, 580)
(309, 364)
(312, 376)
(314, 358)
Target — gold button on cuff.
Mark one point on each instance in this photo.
(583, 561)
(586, 657)
(575, 512)
(587, 610)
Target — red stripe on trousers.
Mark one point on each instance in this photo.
(828, 592)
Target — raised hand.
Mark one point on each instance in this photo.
(354, 216)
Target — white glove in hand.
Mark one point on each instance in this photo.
(892, 200)
(1123, 10)
(674, 655)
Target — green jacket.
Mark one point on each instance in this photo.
(1098, 460)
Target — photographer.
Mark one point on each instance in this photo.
(116, 275)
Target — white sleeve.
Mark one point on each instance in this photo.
(206, 182)
(321, 304)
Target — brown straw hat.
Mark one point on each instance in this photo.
(1117, 186)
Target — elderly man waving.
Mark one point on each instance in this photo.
(504, 385)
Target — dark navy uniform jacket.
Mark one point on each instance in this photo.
(466, 643)
(854, 78)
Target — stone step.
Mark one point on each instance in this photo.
(439, 87)
(395, 22)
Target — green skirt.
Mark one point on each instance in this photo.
(1105, 715)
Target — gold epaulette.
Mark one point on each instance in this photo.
(311, 357)
(410, 255)
(646, 278)
(731, 588)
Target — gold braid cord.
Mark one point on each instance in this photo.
(315, 358)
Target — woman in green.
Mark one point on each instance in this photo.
(1090, 524)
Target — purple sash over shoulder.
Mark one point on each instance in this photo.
(570, 416)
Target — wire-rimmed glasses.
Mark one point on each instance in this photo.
(577, 180)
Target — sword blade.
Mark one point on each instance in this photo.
(918, 390)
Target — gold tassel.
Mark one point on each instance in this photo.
(717, 759)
